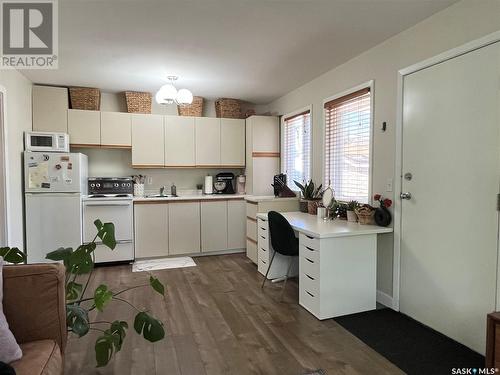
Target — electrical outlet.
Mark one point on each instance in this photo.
(388, 187)
(150, 180)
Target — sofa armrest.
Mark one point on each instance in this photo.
(34, 302)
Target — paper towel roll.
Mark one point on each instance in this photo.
(209, 185)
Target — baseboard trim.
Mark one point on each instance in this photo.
(385, 299)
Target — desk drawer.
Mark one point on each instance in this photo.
(263, 242)
(262, 266)
(309, 253)
(311, 242)
(264, 254)
(262, 228)
(252, 210)
(309, 300)
(309, 267)
(252, 229)
(309, 283)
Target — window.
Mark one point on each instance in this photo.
(347, 145)
(297, 147)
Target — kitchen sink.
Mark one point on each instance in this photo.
(160, 196)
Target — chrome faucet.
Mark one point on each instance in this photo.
(162, 191)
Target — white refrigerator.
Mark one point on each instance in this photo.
(54, 184)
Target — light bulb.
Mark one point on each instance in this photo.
(184, 97)
(166, 94)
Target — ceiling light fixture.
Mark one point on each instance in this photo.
(168, 94)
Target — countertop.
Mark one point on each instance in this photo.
(189, 197)
(319, 228)
(267, 198)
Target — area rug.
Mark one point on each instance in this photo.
(162, 264)
(410, 345)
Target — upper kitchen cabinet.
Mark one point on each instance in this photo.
(148, 141)
(180, 141)
(116, 130)
(84, 127)
(50, 106)
(265, 134)
(207, 141)
(232, 139)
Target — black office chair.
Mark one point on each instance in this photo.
(283, 241)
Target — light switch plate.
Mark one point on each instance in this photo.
(388, 187)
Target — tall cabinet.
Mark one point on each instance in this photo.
(262, 153)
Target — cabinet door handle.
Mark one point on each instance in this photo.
(312, 278)
(309, 260)
(312, 295)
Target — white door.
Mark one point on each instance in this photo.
(207, 141)
(52, 221)
(213, 226)
(449, 226)
(179, 141)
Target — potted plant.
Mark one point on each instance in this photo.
(310, 196)
(382, 215)
(80, 301)
(351, 215)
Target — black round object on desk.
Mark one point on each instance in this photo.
(382, 216)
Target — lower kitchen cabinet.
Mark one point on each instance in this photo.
(213, 226)
(151, 230)
(183, 227)
(236, 224)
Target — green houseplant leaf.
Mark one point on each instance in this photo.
(102, 296)
(77, 319)
(80, 261)
(106, 232)
(73, 290)
(157, 285)
(103, 350)
(151, 328)
(60, 254)
(12, 255)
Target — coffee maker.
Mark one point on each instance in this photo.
(224, 183)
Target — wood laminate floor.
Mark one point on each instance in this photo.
(219, 321)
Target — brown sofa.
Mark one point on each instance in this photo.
(34, 304)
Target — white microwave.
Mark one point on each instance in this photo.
(46, 142)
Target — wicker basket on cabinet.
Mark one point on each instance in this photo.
(87, 98)
(228, 108)
(138, 102)
(193, 109)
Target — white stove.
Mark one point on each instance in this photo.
(110, 200)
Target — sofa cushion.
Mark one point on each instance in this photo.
(9, 349)
(41, 357)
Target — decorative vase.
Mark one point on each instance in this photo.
(352, 217)
(303, 204)
(382, 216)
(312, 207)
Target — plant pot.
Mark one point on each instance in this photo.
(382, 216)
(352, 217)
(303, 203)
(312, 207)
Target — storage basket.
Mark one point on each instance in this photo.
(365, 217)
(87, 98)
(228, 108)
(193, 109)
(138, 102)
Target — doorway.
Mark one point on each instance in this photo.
(450, 163)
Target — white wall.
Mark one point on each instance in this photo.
(462, 22)
(18, 120)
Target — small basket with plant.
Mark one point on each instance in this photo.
(351, 214)
(311, 195)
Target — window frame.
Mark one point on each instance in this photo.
(282, 139)
(370, 85)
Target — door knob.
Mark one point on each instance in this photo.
(405, 196)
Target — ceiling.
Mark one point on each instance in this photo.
(255, 50)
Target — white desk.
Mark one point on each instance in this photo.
(337, 263)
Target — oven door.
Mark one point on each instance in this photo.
(118, 212)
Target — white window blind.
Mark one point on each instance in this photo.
(297, 148)
(347, 146)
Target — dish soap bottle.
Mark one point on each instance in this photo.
(173, 190)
